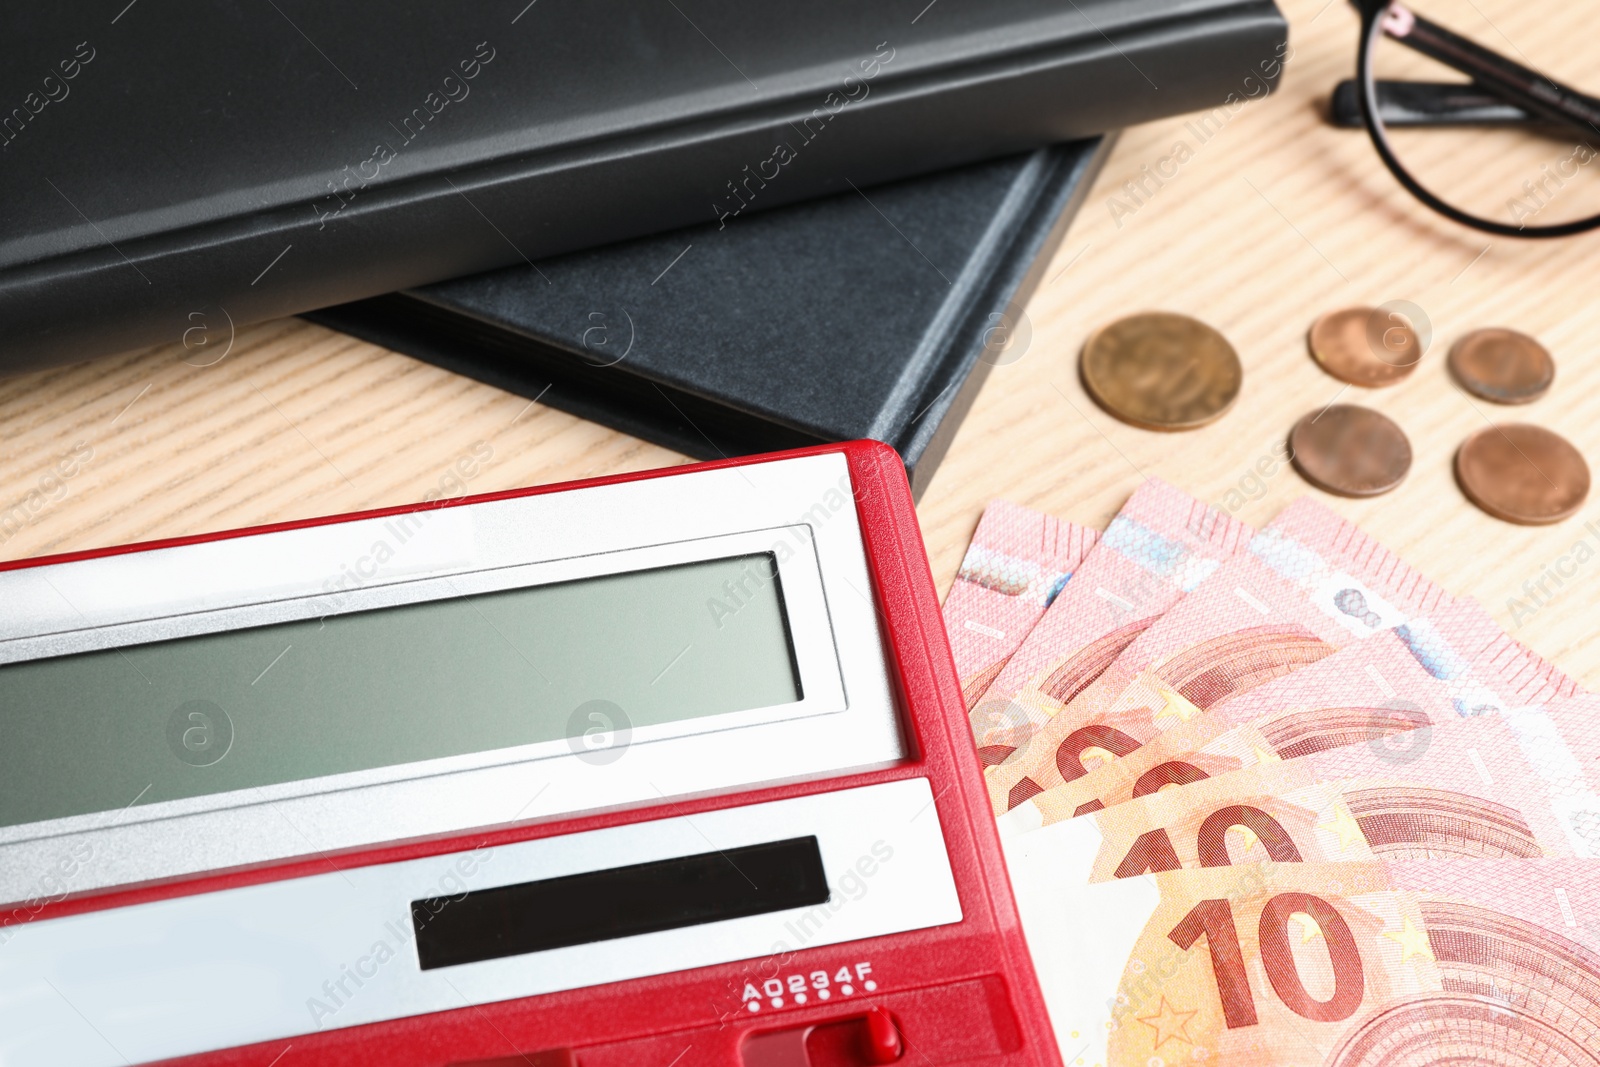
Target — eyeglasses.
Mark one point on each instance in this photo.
(1502, 93)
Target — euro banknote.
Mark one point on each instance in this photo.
(1160, 545)
(1307, 585)
(1426, 675)
(1360, 964)
(1017, 563)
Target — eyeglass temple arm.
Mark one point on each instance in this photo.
(1511, 81)
(1404, 104)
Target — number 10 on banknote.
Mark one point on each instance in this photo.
(1399, 962)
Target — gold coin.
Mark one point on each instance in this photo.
(1350, 450)
(1161, 371)
(1369, 347)
(1503, 366)
(1523, 474)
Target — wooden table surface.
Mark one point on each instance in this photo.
(1271, 218)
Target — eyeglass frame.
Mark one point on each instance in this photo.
(1499, 75)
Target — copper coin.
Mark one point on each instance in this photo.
(1161, 371)
(1504, 366)
(1350, 450)
(1523, 474)
(1369, 347)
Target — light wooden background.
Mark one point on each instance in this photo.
(1273, 219)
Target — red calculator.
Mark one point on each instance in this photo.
(667, 769)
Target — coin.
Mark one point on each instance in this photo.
(1369, 347)
(1504, 366)
(1523, 474)
(1350, 450)
(1161, 371)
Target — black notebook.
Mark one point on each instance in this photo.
(874, 313)
(268, 158)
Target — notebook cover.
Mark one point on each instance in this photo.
(868, 314)
(264, 159)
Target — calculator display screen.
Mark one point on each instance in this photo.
(288, 702)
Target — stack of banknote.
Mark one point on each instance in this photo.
(1273, 797)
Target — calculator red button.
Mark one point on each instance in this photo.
(882, 1037)
(858, 1041)
(555, 1057)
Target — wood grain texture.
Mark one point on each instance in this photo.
(1272, 218)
